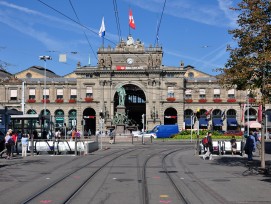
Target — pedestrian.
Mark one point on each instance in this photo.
(89, 132)
(250, 146)
(8, 144)
(209, 147)
(15, 146)
(24, 145)
(73, 133)
(233, 145)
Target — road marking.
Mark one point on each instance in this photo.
(163, 196)
(45, 201)
(165, 201)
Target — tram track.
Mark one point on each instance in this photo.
(38, 196)
(145, 185)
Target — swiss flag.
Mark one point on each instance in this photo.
(131, 20)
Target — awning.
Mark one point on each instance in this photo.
(187, 121)
(253, 124)
(203, 122)
(232, 122)
(217, 122)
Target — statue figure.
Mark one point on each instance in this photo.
(122, 94)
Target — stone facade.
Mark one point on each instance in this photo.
(164, 94)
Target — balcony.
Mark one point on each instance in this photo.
(59, 100)
(171, 99)
(45, 101)
(72, 100)
(217, 100)
(88, 99)
(188, 100)
(31, 101)
(231, 100)
(202, 100)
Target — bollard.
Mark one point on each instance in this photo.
(75, 146)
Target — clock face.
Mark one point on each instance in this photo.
(130, 61)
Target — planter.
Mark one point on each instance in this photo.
(59, 100)
(31, 101)
(231, 100)
(251, 100)
(72, 101)
(188, 100)
(171, 99)
(202, 100)
(45, 101)
(88, 99)
(217, 100)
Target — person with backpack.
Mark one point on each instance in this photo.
(209, 147)
(205, 143)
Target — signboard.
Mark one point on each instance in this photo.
(120, 68)
(89, 116)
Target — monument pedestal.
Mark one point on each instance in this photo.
(120, 128)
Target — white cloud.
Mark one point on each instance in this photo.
(209, 12)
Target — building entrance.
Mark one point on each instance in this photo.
(135, 104)
(89, 121)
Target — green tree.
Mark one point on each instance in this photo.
(248, 66)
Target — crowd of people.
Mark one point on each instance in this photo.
(253, 143)
(9, 142)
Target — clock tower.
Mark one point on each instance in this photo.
(130, 55)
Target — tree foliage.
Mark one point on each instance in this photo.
(248, 66)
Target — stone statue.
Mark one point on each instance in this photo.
(122, 94)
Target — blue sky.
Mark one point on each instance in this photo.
(192, 31)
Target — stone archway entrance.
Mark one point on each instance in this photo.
(170, 117)
(135, 104)
(89, 121)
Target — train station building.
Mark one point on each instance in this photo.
(154, 93)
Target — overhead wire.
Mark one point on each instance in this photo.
(61, 13)
(159, 24)
(83, 30)
(117, 18)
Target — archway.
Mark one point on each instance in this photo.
(170, 116)
(217, 121)
(189, 119)
(231, 120)
(59, 119)
(203, 121)
(72, 118)
(89, 120)
(135, 103)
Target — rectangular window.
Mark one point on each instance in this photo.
(89, 92)
(231, 93)
(45, 93)
(216, 93)
(59, 93)
(13, 94)
(188, 94)
(73, 94)
(170, 92)
(32, 93)
(202, 94)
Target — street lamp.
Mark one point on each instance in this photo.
(44, 58)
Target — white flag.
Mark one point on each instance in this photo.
(102, 29)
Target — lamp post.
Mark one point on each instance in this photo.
(44, 58)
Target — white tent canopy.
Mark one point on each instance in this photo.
(253, 124)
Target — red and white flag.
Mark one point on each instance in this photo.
(131, 20)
